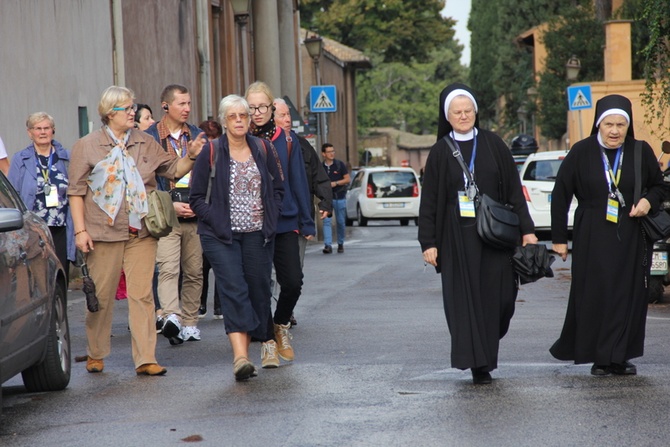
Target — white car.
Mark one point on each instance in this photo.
(538, 175)
(383, 193)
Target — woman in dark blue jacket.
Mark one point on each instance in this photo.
(237, 193)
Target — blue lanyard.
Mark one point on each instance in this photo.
(472, 159)
(612, 179)
(180, 149)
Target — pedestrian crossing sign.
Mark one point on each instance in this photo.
(579, 97)
(323, 98)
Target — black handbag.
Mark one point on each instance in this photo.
(180, 194)
(657, 226)
(497, 224)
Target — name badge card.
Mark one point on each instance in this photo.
(51, 197)
(465, 205)
(612, 210)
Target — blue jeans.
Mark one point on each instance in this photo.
(242, 278)
(340, 210)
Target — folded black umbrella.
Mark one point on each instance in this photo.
(88, 286)
(532, 262)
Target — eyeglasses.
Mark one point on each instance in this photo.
(132, 108)
(234, 116)
(261, 108)
(41, 129)
(468, 112)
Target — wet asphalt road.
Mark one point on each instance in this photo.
(371, 369)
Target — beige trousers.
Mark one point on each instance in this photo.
(136, 257)
(180, 250)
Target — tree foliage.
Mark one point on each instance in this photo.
(413, 53)
(656, 17)
(406, 96)
(575, 32)
(398, 30)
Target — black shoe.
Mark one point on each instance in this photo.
(327, 249)
(202, 312)
(600, 370)
(340, 248)
(623, 369)
(480, 377)
(293, 321)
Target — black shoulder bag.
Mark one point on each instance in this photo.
(657, 226)
(497, 223)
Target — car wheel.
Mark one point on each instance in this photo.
(404, 222)
(348, 222)
(656, 289)
(362, 221)
(53, 372)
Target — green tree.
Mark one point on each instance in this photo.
(575, 32)
(398, 30)
(656, 17)
(406, 96)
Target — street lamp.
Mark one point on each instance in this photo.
(314, 46)
(241, 12)
(572, 68)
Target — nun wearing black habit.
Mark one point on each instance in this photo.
(611, 258)
(478, 282)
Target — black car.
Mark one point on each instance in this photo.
(34, 331)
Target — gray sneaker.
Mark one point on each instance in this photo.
(269, 357)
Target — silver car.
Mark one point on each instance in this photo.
(34, 331)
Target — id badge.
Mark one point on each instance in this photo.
(612, 210)
(52, 197)
(465, 205)
(184, 181)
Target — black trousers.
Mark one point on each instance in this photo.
(289, 276)
(59, 235)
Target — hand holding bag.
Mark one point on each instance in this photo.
(657, 226)
(497, 224)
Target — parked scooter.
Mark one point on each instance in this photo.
(660, 274)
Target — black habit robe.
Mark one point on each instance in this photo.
(607, 307)
(478, 282)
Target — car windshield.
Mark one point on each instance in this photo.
(542, 170)
(392, 183)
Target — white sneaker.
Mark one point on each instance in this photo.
(190, 333)
(269, 358)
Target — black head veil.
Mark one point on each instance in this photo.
(443, 126)
(610, 102)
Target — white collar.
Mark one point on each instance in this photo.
(464, 136)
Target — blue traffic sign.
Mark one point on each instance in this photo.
(579, 97)
(323, 98)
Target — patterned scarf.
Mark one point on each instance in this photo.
(266, 131)
(114, 173)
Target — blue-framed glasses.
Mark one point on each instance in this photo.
(132, 108)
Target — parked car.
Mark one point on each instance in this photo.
(383, 193)
(538, 175)
(34, 331)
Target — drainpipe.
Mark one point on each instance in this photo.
(117, 44)
(202, 24)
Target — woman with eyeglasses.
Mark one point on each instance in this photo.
(39, 174)
(112, 171)
(237, 213)
(478, 282)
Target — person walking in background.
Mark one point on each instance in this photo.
(179, 256)
(109, 228)
(611, 257)
(319, 183)
(4, 161)
(478, 282)
(339, 181)
(144, 117)
(39, 175)
(237, 213)
(213, 130)
(294, 222)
